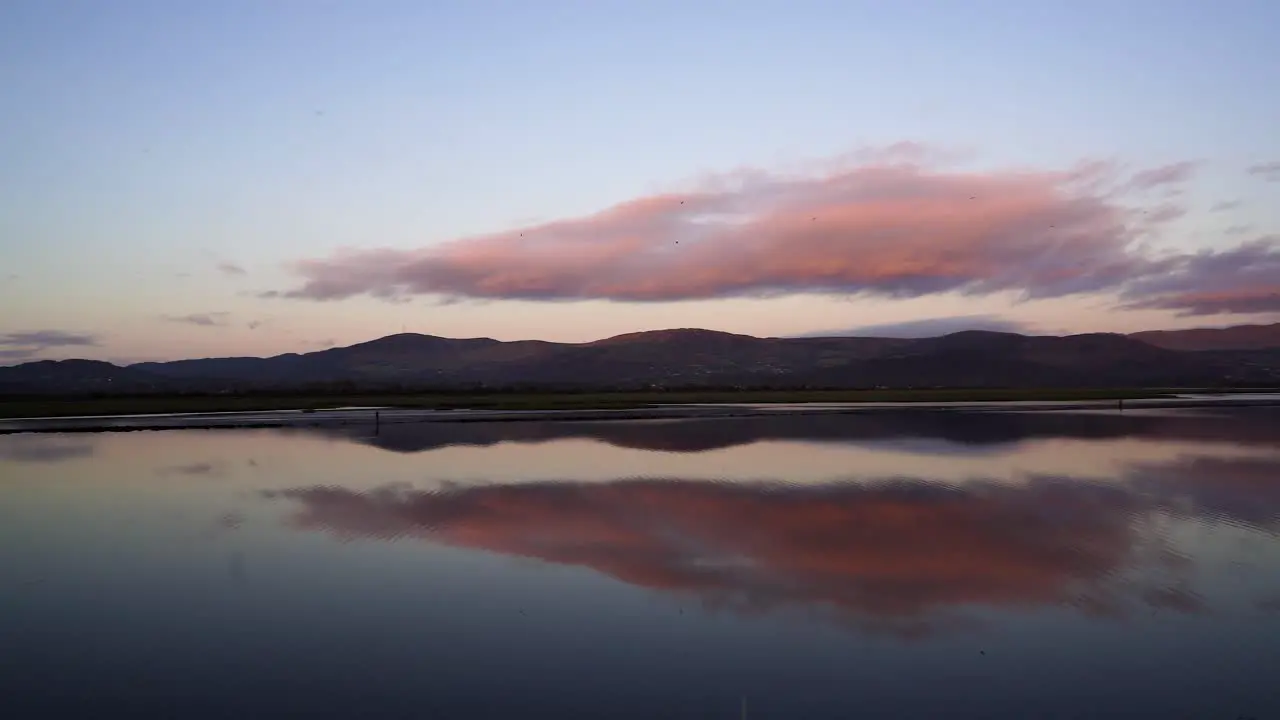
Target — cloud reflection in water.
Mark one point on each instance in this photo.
(901, 555)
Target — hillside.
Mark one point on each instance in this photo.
(80, 377)
(683, 358)
(1240, 337)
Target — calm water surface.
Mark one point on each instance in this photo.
(912, 565)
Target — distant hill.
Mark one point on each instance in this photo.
(1240, 337)
(690, 358)
(78, 377)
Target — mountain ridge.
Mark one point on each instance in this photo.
(696, 358)
(1236, 337)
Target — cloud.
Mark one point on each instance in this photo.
(213, 319)
(889, 229)
(929, 327)
(255, 324)
(1245, 279)
(1225, 205)
(1173, 174)
(48, 338)
(30, 344)
(230, 268)
(892, 228)
(1269, 171)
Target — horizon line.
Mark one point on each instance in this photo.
(819, 335)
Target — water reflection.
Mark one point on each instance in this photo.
(897, 565)
(944, 432)
(44, 448)
(898, 555)
(196, 469)
(1239, 490)
(907, 555)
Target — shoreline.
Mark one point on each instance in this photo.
(251, 420)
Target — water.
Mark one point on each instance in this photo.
(982, 565)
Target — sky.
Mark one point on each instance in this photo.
(253, 178)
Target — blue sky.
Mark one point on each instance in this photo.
(146, 143)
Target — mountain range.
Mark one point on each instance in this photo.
(1242, 356)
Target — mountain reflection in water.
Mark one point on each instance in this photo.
(913, 564)
(948, 431)
(895, 553)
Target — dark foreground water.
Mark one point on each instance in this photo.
(981, 565)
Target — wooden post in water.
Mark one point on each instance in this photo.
(1121, 404)
(377, 421)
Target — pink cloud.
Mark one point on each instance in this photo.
(891, 227)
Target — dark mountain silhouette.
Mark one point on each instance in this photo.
(1240, 337)
(79, 376)
(682, 358)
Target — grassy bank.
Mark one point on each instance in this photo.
(48, 407)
